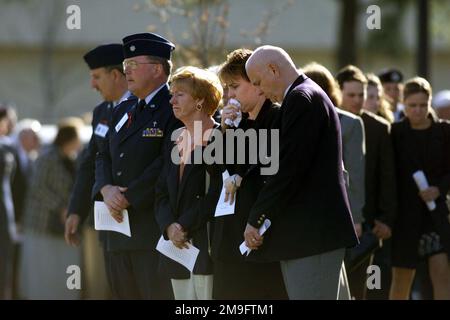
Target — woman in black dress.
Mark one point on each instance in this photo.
(421, 142)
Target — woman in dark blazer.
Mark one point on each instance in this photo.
(186, 195)
(421, 142)
(234, 277)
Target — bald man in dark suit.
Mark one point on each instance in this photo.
(306, 199)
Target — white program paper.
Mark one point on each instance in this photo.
(186, 257)
(104, 221)
(422, 184)
(224, 208)
(243, 248)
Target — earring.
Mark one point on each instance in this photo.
(198, 107)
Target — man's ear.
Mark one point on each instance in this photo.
(160, 71)
(116, 74)
(273, 69)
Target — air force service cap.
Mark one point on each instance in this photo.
(104, 55)
(147, 44)
(390, 75)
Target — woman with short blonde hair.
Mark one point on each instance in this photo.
(186, 194)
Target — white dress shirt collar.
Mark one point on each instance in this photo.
(125, 96)
(153, 94)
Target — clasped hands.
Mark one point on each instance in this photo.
(177, 235)
(115, 201)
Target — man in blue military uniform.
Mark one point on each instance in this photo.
(107, 77)
(127, 169)
(105, 64)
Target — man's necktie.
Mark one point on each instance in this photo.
(140, 106)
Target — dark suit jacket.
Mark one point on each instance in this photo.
(412, 211)
(381, 191)
(132, 158)
(190, 203)
(306, 200)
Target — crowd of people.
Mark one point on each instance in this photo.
(343, 196)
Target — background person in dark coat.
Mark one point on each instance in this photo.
(421, 142)
(308, 235)
(7, 220)
(45, 256)
(27, 145)
(186, 196)
(353, 141)
(380, 205)
(234, 277)
(128, 167)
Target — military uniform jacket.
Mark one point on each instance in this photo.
(80, 200)
(133, 158)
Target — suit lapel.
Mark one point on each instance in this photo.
(145, 115)
(172, 184)
(188, 168)
(137, 122)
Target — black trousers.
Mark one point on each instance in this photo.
(134, 275)
(357, 279)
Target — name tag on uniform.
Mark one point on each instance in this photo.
(121, 122)
(152, 133)
(101, 130)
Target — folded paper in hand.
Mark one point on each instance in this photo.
(104, 221)
(224, 208)
(422, 184)
(186, 257)
(243, 248)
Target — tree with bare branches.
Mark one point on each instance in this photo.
(207, 27)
